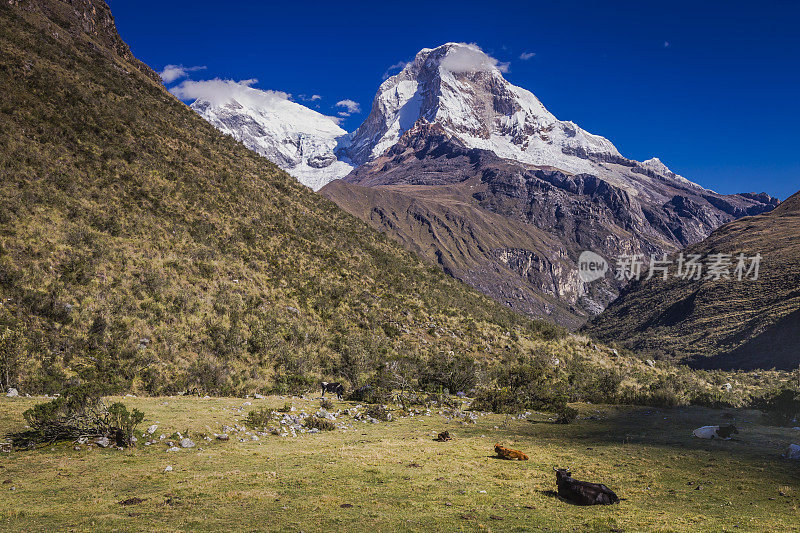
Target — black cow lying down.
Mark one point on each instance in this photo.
(333, 388)
(582, 492)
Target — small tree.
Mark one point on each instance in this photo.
(782, 407)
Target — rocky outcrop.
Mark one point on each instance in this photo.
(85, 18)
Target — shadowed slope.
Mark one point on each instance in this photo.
(725, 323)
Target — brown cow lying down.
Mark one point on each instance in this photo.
(443, 436)
(507, 453)
(582, 492)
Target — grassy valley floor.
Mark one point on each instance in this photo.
(392, 476)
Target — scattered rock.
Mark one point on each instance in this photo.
(187, 443)
(12, 393)
(152, 429)
(224, 437)
(173, 449)
(650, 363)
(258, 396)
(102, 442)
(168, 469)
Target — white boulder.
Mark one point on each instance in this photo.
(793, 452)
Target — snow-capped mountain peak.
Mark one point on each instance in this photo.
(463, 89)
(298, 139)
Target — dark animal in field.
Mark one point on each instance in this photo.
(443, 436)
(192, 392)
(333, 388)
(583, 492)
(507, 453)
(715, 432)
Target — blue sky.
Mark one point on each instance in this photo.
(712, 88)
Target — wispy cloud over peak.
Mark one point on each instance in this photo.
(176, 72)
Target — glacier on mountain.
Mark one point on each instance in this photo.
(462, 89)
(455, 85)
(298, 139)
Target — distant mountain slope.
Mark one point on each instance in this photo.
(727, 324)
(142, 248)
(519, 229)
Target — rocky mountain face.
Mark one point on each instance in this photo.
(721, 323)
(515, 231)
(294, 137)
(450, 145)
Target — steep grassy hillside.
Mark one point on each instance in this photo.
(142, 248)
(727, 324)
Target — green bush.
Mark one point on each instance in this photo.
(78, 412)
(323, 424)
(448, 371)
(325, 403)
(566, 414)
(378, 411)
(781, 407)
(290, 383)
(124, 422)
(259, 418)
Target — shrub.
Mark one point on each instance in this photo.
(291, 383)
(258, 418)
(124, 422)
(782, 407)
(711, 398)
(323, 424)
(369, 394)
(325, 403)
(78, 412)
(566, 414)
(448, 371)
(378, 411)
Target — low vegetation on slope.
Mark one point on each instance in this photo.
(723, 323)
(142, 249)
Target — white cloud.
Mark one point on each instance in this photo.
(470, 58)
(400, 65)
(527, 55)
(666, 44)
(175, 72)
(312, 98)
(219, 92)
(349, 106)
